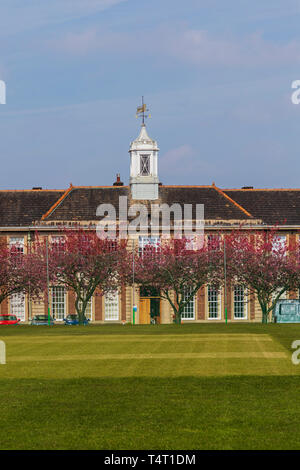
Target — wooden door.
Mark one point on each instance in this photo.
(144, 312)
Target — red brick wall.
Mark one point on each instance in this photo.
(292, 244)
(98, 306)
(71, 302)
(4, 306)
(201, 303)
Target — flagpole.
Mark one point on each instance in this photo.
(134, 309)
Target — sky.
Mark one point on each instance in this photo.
(215, 75)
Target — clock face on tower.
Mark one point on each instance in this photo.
(145, 165)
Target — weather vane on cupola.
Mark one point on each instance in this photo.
(143, 112)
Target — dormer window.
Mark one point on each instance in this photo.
(145, 165)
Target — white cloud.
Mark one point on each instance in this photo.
(195, 47)
(200, 48)
(24, 15)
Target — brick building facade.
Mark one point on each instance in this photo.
(23, 212)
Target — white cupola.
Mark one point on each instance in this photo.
(143, 167)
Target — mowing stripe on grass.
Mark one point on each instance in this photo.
(146, 338)
(206, 355)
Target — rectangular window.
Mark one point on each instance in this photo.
(151, 242)
(240, 302)
(111, 306)
(58, 243)
(189, 309)
(279, 242)
(18, 243)
(17, 305)
(58, 302)
(145, 165)
(214, 303)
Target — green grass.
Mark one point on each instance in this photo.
(150, 387)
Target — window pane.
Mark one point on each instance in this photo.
(189, 309)
(279, 242)
(111, 306)
(214, 303)
(17, 305)
(17, 248)
(151, 242)
(58, 302)
(239, 302)
(145, 165)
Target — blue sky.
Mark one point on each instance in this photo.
(216, 76)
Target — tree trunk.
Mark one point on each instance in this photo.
(80, 311)
(264, 315)
(178, 318)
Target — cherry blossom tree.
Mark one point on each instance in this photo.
(177, 270)
(82, 262)
(261, 262)
(20, 272)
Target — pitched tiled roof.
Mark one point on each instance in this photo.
(216, 205)
(273, 206)
(80, 203)
(23, 208)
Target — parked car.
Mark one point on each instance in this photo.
(72, 319)
(41, 320)
(286, 311)
(7, 319)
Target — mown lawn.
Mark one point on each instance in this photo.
(150, 387)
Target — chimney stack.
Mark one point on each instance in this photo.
(118, 182)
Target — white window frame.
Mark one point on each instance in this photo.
(17, 242)
(279, 241)
(58, 241)
(145, 158)
(55, 303)
(145, 240)
(17, 305)
(111, 306)
(245, 302)
(189, 309)
(218, 300)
